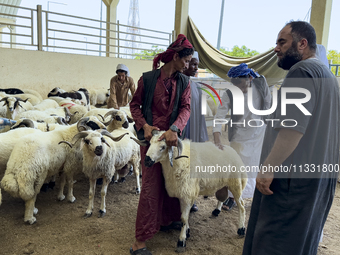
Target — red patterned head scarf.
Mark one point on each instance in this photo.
(181, 43)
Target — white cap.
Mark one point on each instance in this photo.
(124, 68)
(195, 55)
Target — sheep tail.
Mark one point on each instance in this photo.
(9, 183)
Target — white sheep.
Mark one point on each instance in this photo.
(99, 96)
(77, 110)
(36, 158)
(43, 126)
(15, 106)
(102, 157)
(46, 104)
(49, 115)
(8, 140)
(33, 92)
(179, 182)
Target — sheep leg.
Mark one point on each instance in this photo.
(92, 191)
(136, 172)
(103, 193)
(217, 211)
(70, 183)
(116, 177)
(61, 195)
(185, 210)
(29, 210)
(237, 192)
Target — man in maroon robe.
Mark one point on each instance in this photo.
(168, 92)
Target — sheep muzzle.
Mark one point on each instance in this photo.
(148, 162)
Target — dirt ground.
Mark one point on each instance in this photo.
(61, 228)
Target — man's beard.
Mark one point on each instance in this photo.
(290, 57)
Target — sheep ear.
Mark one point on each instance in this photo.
(171, 156)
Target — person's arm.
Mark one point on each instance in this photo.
(112, 103)
(221, 113)
(136, 111)
(182, 118)
(286, 142)
(132, 87)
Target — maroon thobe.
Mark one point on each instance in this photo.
(155, 207)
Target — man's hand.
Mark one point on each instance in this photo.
(147, 131)
(170, 138)
(263, 182)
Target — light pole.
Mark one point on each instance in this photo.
(48, 8)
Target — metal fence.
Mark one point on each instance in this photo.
(37, 29)
(335, 69)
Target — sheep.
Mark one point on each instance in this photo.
(121, 120)
(55, 92)
(36, 158)
(77, 110)
(46, 104)
(99, 97)
(180, 184)
(74, 162)
(33, 92)
(102, 157)
(12, 91)
(15, 106)
(43, 126)
(30, 98)
(8, 140)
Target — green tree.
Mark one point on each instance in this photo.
(149, 54)
(334, 57)
(240, 52)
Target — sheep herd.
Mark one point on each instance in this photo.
(68, 133)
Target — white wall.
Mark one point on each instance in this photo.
(43, 71)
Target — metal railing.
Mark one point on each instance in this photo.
(335, 67)
(52, 31)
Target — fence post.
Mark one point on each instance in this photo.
(118, 41)
(39, 28)
(173, 36)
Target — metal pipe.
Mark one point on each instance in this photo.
(39, 24)
(220, 28)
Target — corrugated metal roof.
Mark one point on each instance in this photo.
(9, 10)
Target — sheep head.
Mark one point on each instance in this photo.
(24, 123)
(12, 104)
(90, 123)
(94, 140)
(158, 150)
(119, 117)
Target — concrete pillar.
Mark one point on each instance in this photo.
(181, 17)
(320, 19)
(111, 16)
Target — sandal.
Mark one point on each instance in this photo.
(142, 251)
(194, 208)
(176, 225)
(228, 204)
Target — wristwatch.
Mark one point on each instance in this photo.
(174, 128)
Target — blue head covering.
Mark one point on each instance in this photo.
(242, 70)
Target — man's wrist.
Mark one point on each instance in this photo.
(174, 128)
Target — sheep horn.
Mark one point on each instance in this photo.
(27, 122)
(68, 143)
(82, 123)
(180, 149)
(67, 114)
(108, 134)
(61, 121)
(171, 156)
(112, 113)
(101, 116)
(19, 99)
(154, 132)
(78, 136)
(141, 143)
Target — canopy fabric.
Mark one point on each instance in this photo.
(220, 63)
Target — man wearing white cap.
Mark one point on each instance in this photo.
(120, 85)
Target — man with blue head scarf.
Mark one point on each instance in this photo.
(245, 139)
